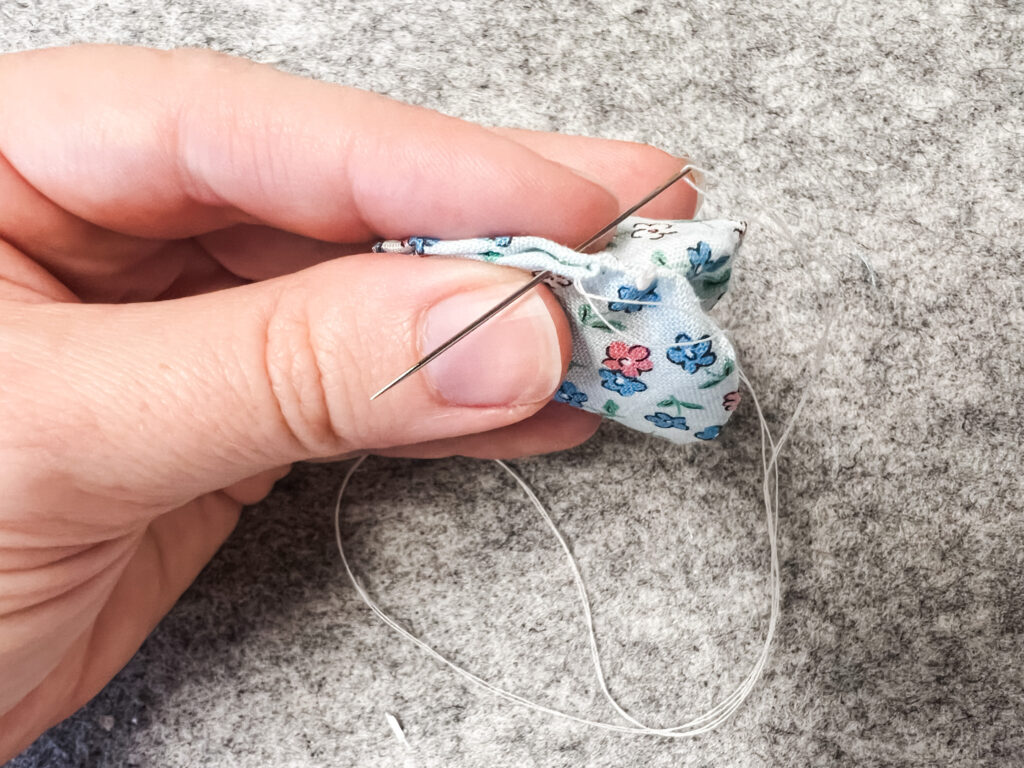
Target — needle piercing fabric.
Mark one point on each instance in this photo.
(646, 353)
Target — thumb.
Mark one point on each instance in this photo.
(157, 403)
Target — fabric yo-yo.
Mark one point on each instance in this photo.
(646, 353)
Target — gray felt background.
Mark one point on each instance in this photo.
(888, 131)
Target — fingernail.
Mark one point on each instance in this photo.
(513, 358)
(698, 181)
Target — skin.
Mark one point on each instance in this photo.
(188, 306)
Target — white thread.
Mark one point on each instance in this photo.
(396, 728)
(698, 725)
(818, 350)
(609, 299)
(770, 451)
(586, 297)
(716, 333)
(577, 284)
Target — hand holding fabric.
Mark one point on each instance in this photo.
(188, 305)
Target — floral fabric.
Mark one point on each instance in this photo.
(646, 352)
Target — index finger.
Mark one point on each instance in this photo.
(163, 144)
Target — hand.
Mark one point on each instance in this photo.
(188, 305)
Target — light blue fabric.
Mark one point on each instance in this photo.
(646, 353)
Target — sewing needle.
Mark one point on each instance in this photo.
(540, 278)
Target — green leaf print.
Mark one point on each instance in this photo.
(590, 319)
(672, 402)
(726, 370)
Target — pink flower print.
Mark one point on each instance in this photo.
(731, 401)
(630, 361)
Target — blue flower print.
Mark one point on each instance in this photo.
(568, 393)
(692, 356)
(701, 261)
(633, 293)
(667, 421)
(419, 243)
(503, 242)
(708, 433)
(624, 385)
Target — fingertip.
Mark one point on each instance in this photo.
(641, 168)
(565, 426)
(555, 427)
(575, 207)
(629, 170)
(562, 329)
(679, 201)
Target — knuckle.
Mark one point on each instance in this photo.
(315, 407)
(217, 135)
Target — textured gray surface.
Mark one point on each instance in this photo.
(892, 131)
